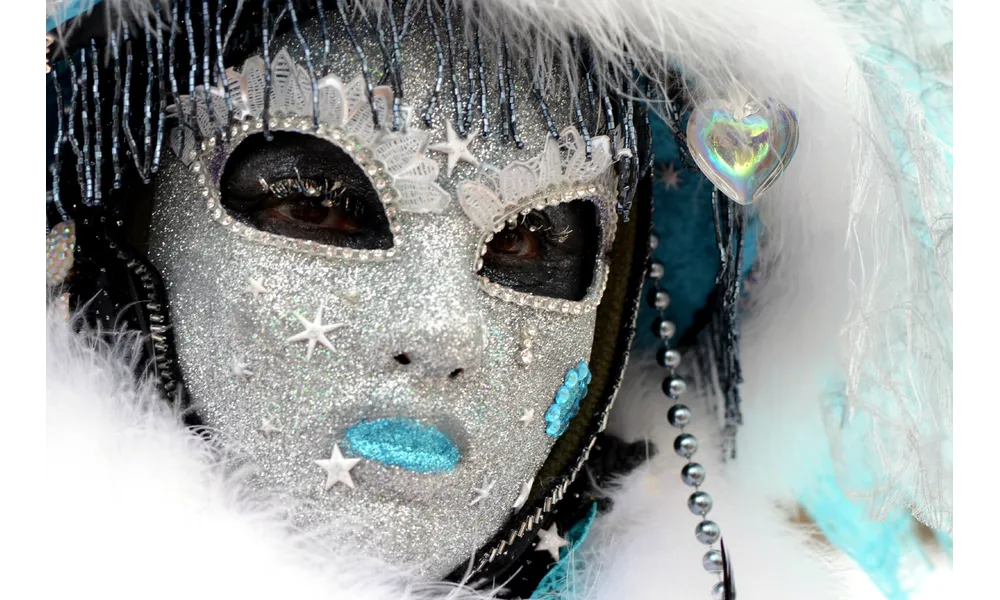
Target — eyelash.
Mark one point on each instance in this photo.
(306, 187)
(545, 227)
(332, 194)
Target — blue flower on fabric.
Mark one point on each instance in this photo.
(567, 400)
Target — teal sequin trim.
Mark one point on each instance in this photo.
(404, 443)
(567, 400)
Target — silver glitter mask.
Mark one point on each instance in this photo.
(382, 390)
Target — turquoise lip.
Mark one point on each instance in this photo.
(404, 443)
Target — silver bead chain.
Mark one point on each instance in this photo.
(685, 445)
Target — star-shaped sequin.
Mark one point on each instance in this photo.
(239, 369)
(550, 541)
(314, 333)
(256, 287)
(456, 148)
(482, 493)
(338, 468)
(528, 416)
(670, 177)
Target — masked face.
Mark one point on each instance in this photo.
(392, 327)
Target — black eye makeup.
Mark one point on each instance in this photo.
(332, 196)
(550, 252)
(320, 193)
(303, 187)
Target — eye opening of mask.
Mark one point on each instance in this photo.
(301, 191)
(550, 253)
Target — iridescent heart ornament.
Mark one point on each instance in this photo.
(742, 152)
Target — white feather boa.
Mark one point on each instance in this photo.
(144, 508)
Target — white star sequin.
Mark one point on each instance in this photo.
(670, 178)
(267, 426)
(523, 496)
(338, 468)
(239, 369)
(483, 492)
(314, 333)
(456, 148)
(550, 541)
(256, 287)
(528, 416)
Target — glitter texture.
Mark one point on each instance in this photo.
(426, 303)
(59, 247)
(567, 400)
(404, 443)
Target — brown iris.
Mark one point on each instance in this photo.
(303, 187)
(516, 243)
(548, 252)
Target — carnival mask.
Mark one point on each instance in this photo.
(381, 305)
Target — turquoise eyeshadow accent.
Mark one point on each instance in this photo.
(404, 443)
(567, 399)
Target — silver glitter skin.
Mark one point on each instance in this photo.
(426, 303)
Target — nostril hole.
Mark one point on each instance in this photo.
(454, 374)
(403, 359)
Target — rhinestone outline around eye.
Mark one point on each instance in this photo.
(592, 192)
(373, 169)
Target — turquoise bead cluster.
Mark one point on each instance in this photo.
(567, 401)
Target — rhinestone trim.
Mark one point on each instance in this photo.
(373, 168)
(599, 195)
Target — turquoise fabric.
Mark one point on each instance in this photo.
(880, 547)
(687, 249)
(67, 10)
(843, 502)
(842, 498)
(557, 583)
(685, 226)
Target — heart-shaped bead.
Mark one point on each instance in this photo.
(742, 154)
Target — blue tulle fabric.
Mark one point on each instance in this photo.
(687, 248)
(842, 498)
(886, 548)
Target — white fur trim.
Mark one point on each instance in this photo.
(143, 508)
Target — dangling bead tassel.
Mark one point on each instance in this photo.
(730, 223)
(685, 444)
